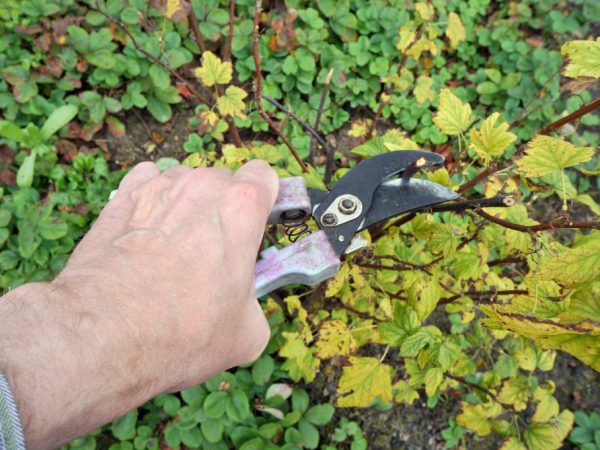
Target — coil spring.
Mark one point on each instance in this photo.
(295, 225)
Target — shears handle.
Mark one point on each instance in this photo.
(307, 261)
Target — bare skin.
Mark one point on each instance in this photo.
(158, 296)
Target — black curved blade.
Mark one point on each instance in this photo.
(362, 181)
(395, 197)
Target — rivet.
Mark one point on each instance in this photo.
(347, 206)
(329, 219)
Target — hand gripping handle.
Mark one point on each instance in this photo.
(308, 261)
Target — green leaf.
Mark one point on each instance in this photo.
(4, 234)
(124, 428)
(212, 429)
(584, 58)
(161, 111)
(25, 172)
(320, 414)
(213, 70)
(546, 154)
(262, 370)
(215, 404)
(453, 116)
(492, 139)
(58, 119)
(309, 433)
(232, 102)
(53, 228)
(159, 76)
(12, 132)
(364, 381)
(300, 400)
(237, 407)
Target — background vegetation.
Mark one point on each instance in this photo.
(460, 312)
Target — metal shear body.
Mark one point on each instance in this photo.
(375, 190)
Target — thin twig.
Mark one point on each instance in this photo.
(571, 117)
(258, 88)
(310, 130)
(196, 30)
(227, 49)
(150, 56)
(322, 101)
(507, 260)
(558, 224)
(482, 295)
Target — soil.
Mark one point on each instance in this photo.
(402, 427)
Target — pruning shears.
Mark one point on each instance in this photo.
(376, 189)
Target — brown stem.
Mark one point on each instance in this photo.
(226, 55)
(196, 30)
(322, 101)
(507, 260)
(571, 117)
(558, 224)
(487, 392)
(482, 295)
(235, 134)
(150, 56)
(258, 89)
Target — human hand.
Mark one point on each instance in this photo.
(158, 296)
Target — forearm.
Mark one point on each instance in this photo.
(66, 376)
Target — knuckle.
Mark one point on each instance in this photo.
(250, 193)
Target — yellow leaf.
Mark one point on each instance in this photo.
(456, 30)
(209, 118)
(512, 444)
(422, 45)
(427, 299)
(573, 266)
(492, 139)
(584, 58)
(424, 89)
(549, 436)
(433, 379)
(515, 391)
(547, 406)
(177, 9)
(213, 70)
(294, 305)
(403, 393)
(424, 10)
(300, 361)
(407, 35)
(394, 139)
(360, 128)
(194, 160)
(477, 417)
(335, 339)
(365, 380)
(526, 358)
(582, 340)
(453, 116)
(440, 176)
(232, 102)
(546, 154)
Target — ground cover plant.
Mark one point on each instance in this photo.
(466, 308)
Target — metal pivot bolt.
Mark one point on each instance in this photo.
(329, 219)
(347, 206)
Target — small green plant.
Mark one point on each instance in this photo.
(586, 433)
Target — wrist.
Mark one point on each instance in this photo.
(66, 361)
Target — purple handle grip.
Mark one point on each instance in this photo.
(292, 198)
(308, 261)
